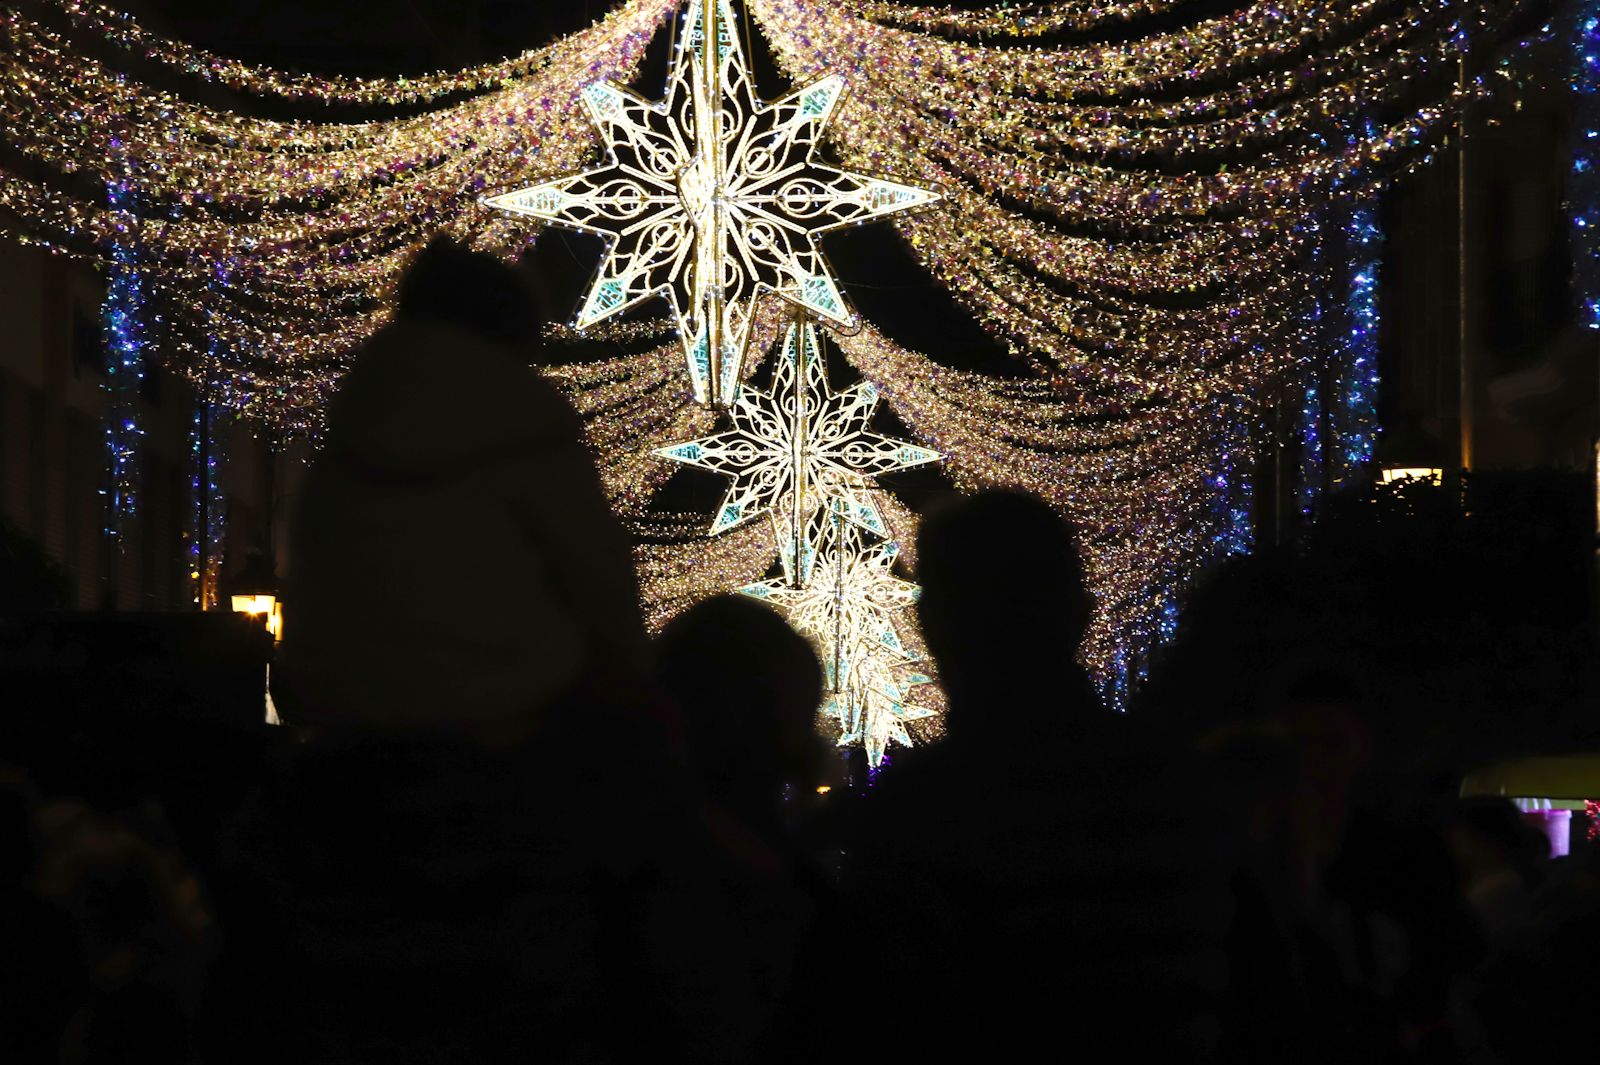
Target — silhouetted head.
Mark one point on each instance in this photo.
(1323, 706)
(474, 290)
(1004, 602)
(749, 687)
(1488, 832)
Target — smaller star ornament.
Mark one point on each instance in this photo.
(712, 198)
(848, 610)
(798, 447)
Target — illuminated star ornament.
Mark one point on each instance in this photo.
(712, 198)
(848, 610)
(797, 447)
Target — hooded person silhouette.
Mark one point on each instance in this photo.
(1044, 872)
(454, 564)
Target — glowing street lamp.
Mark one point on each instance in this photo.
(1407, 452)
(255, 593)
(1412, 473)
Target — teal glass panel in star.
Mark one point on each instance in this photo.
(686, 452)
(730, 373)
(724, 35)
(884, 194)
(817, 100)
(546, 199)
(607, 295)
(818, 292)
(603, 100)
(700, 365)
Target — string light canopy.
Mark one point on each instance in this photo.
(712, 198)
(1124, 190)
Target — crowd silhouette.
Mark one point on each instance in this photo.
(503, 824)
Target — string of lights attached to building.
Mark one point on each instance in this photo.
(1123, 200)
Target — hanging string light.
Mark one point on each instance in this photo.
(1356, 422)
(125, 319)
(208, 522)
(1123, 211)
(1583, 197)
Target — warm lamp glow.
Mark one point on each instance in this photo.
(1412, 473)
(262, 606)
(256, 605)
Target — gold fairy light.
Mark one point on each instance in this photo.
(1147, 293)
(712, 198)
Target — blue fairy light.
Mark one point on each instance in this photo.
(1355, 362)
(123, 319)
(1584, 186)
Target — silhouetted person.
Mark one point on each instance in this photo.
(454, 563)
(1382, 934)
(1297, 987)
(44, 974)
(1535, 997)
(1042, 879)
(1502, 860)
(749, 687)
(491, 848)
(1268, 1006)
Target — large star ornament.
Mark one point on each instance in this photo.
(712, 198)
(798, 447)
(848, 611)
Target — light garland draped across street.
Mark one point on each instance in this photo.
(282, 240)
(1338, 419)
(1124, 184)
